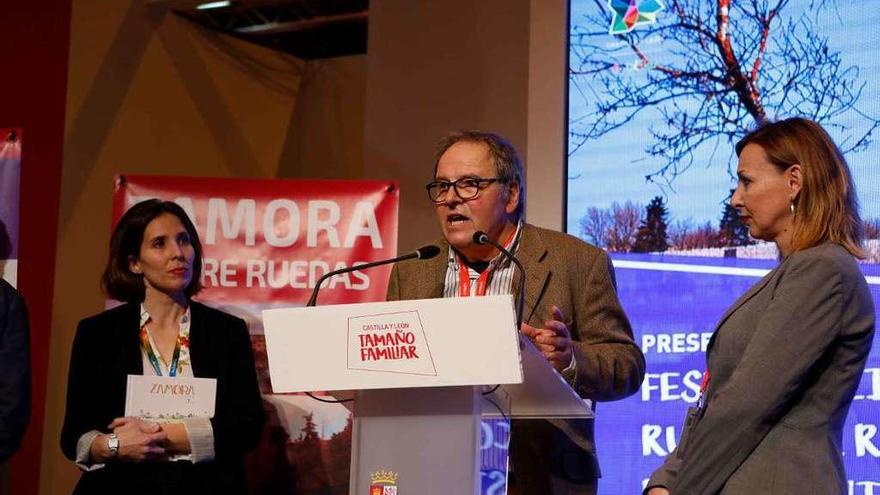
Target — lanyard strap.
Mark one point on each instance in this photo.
(464, 281)
(464, 278)
(151, 355)
(704, 384)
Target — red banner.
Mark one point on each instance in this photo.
(267, 242)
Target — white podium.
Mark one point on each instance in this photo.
(416, 370)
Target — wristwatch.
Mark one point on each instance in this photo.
(113, 444)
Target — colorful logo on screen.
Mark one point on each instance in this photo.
(383, 483)
(627, 14)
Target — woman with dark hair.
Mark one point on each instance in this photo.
(786, 358)
(154, 266)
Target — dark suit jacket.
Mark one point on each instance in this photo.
(785, 362)
(15, 370)
(106, 350)
(578, 278)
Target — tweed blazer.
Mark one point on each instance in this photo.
(106, 349)
(784, 364)
(564, 271)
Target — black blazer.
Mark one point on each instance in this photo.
(15, 370)
(106, 350)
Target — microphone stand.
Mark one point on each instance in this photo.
(421, 253)
(481, 237)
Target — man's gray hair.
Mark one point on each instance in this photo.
(508, 166)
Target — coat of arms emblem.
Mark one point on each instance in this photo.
(383, 483)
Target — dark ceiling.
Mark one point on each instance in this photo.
(307, 29)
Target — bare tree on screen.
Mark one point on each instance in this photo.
(712, 70)
(613, 229)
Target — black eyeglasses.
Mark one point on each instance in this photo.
(465, 188)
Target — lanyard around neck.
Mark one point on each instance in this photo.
(151, 355)
(464, 278)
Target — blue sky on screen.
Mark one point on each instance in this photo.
(613, 167)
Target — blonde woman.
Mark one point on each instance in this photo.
(786, 358)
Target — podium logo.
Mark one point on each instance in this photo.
(383, 483)
(389, 342)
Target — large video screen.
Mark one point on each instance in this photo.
(659, 93)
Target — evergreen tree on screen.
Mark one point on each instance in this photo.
(732, 232)
(651, 236)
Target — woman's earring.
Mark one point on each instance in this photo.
(791, 207)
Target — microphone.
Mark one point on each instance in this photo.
(481, 237)
(422, 253)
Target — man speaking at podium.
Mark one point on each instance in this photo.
(571, 311)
